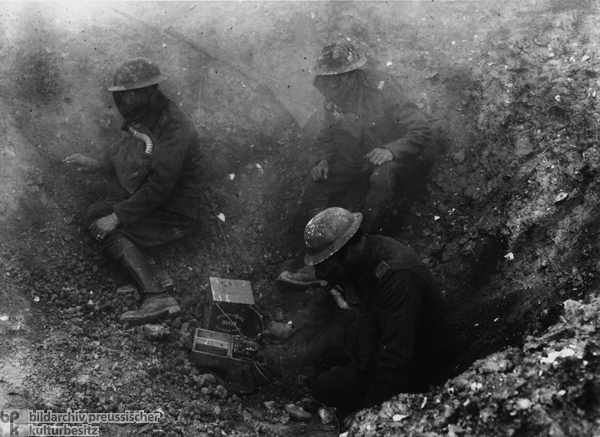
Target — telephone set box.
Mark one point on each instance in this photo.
(229, 308)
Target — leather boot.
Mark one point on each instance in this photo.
(163, 277)
(373, 217)
(154, 308)
(157, 304)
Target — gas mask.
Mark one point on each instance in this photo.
(334, 86)
(332, 270)
(134, 104)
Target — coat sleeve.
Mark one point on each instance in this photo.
(105, 161)
(410, 127)
(326, 148)
(167, 164)
(401, 301)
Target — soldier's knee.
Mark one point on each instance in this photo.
(93, 213)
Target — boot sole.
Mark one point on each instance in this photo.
(168, 314)
(173, 313)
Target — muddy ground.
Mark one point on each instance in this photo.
(508, 219)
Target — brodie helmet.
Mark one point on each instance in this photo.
(136, 73)
(327, 232)
(336, 58)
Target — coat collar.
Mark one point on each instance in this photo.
(151, 118)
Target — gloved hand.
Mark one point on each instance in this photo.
(85, 164)
(320, 171)
(333, 113)
(379, 156)
(278, 333)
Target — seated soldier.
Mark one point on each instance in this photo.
(159, 164)
(372, 137)
(378, 328)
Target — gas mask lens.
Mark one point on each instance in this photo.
(127, 97)
(329, 81)
(321, 270)
(329, 270)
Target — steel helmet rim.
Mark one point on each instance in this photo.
(324, 71)
(155, 80)
(315, 258)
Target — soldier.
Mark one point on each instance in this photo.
(372, 137)
(159, 165)
(378, 328)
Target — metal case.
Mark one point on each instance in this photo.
(229, 308)
(235, 358)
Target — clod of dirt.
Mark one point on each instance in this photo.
(206, 380)
(156, 332)
(298, 413)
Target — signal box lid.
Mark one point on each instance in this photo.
(231, 290)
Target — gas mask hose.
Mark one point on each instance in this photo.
(141, 136)
(339, 299)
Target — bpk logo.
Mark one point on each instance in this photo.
(13, 423)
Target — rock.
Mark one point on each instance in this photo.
(539, 417)
(494, 364)
(156, 332)
(298, 413)
(556, 430)
(186, 338)
(447, 416)
(207, 391)
(205, 380)
(523, 404)
(269, 406)
(220, 392)
(309, 405)
(523, 146)
(459, 157)
(326, 415)
(455, 431)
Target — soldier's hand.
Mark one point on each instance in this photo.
(104, 226)
(320, 172)
(278, 333)
(333, 112)
(83, 163)
(379, 156)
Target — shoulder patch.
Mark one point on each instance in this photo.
(381, 270)
(164, 119)
(381, 84)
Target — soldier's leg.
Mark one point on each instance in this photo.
(123, 245)
(98, 210)
(343, 387)
(157, 303)
(155, 230)
(320, 195)
(322, 329)
(383, 181)
(326, 329)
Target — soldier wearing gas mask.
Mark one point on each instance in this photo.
(378, 328)
(372, 137)
(159, 163)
